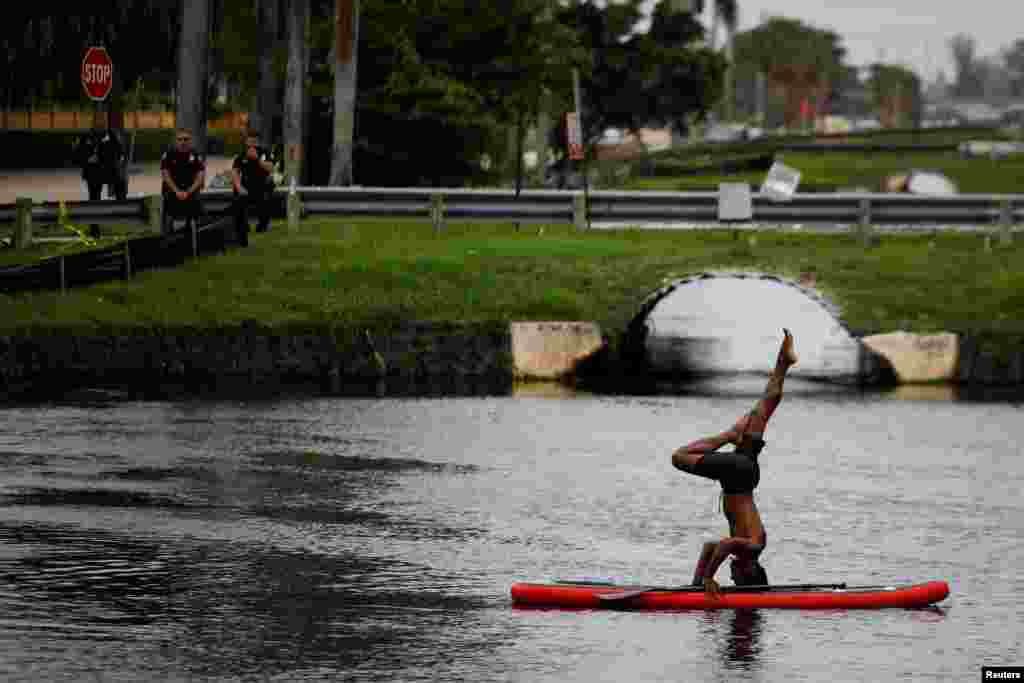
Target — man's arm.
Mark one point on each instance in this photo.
(725, 548)
(236, 179)
(198, 183)
(169, 182)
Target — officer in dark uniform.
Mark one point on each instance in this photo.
(101, 156)
(184, 173)
(114, 161)
(253, 186)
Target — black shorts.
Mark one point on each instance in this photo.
(737, 472)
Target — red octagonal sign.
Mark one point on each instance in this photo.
(97, 73)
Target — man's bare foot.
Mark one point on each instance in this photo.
(786, 353)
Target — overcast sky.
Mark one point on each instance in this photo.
(914, 33)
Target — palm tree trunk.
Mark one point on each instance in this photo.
(713, 37)
(728, 86)
(267, 103)
(345, 71)
(295, 94)
(193, 66)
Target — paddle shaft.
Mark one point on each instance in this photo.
(640, 590)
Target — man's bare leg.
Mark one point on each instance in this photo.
(753, 422)
(756, 420)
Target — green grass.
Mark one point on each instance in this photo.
(370, 273)
(830, 170)
(834, 169)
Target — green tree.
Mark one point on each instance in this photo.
(968, 81)
(42, 44)
(896, 94)
(1014, 59)
(801, 63)
(440, 83)
(637, 79)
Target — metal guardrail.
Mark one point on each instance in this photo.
(108, 210)
(566, 206)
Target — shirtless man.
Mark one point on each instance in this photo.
(738, 472)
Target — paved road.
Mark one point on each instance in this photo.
(55, 184)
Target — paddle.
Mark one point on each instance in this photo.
(633, 592)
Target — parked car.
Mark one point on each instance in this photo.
(866, 124)
(726, 132)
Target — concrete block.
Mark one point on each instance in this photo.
(918, 358)
(550, 350)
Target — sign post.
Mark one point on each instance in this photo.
(580, 149)
(572, 126)
(97, 81)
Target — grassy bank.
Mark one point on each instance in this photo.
(371, 273)
(849, 169)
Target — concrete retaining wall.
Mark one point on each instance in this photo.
(413, 351)
(333, 360)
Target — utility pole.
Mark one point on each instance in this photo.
(193, 70)
(578, 99)
(345, 71)
(295, 92)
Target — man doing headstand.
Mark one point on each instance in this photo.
(738, 473)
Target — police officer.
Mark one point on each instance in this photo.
(101, 156)
(251, 176)
(184, 173)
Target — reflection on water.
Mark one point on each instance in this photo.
(375, 538)
(742, 645)
(735, 636)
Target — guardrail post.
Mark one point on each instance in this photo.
(294, 209)
(864, 229)
(23, 223)
(1006, 223)
(62, 274)
(127, 260)
(579, 211)
(437, 212)
(153, 208)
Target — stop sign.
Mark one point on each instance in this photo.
(97, 73)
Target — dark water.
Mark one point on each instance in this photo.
(376, 539)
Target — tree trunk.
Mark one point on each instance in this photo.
(346, 51)
(519, 150)
(713, 36)
(295, 93)
(261, 119)
(193, 68)
(543, 127)
(115, 100)
(728, 87)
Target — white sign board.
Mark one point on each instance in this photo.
(734, 202)
(781, 182)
